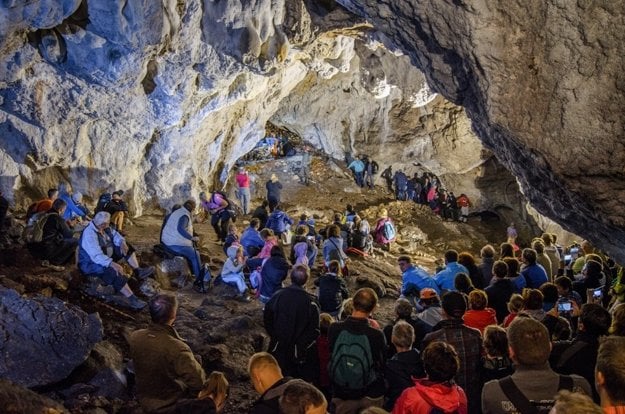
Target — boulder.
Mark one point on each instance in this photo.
(16, 399)
(42, 339)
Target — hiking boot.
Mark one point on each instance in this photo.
(143, 273)
(135, 303)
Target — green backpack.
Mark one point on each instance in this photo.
(33, 233)
(351, 364)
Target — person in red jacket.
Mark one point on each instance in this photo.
(479, 316)
(437, 390)
(464, 203)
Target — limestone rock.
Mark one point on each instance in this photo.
(43, 339)
(16, 399)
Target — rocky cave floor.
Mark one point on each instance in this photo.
(223, 331)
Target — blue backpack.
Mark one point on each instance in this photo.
(388, 231)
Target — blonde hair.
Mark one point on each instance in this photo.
(215, 385)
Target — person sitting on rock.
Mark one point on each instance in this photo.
(210, 400)
(100, 249)
(57, 246)
(274, 270)
(414, 278)
(279, 221)
(43, 205)
(332, 289)
(118, 210)
(361, 237)
(302, 235)
(73, 213)
(166, 369)
(270, 241)
(333, 247)
(177, 235)
(446, 277)
(218, 208)
(384, 230)
(232, 272)
(232, 238)
(251, 240)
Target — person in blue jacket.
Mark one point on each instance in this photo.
(358, 167)
(278, 221)
(251, 239)
(446, 277)
(533, 273)
(414, 278)
(73, 210)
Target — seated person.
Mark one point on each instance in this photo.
(232, 272)
(251, 239)
(333, 246)
(177, 236)
(302, 235)
(274, 270)
(43, 205)
(72, 211)
(166, 370)
(232, 238)
(270, 242)
(279, 221)
(100, 249)
(57, 246)
(118, 209)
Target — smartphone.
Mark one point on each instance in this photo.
(565, 306)
(568, 258)
(574, 252)
(597, 293)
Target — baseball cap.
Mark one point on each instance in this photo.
(427, 293)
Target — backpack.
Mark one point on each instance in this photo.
(103, 202)
(351, 364)
(388, 230)
(523, 404)
(33, 233)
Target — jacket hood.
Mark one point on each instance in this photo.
(444, 397)
(300, 249)
(232, 251)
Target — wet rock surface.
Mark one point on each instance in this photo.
(43, 339)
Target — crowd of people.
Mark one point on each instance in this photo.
(518, 330)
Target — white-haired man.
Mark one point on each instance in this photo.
(100, 247)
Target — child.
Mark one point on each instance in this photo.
(232, 238)
(300, 249)
(323, 351)
(515, 305)
(232, 271)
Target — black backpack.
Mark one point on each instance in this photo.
(374, 167)
(103, 202)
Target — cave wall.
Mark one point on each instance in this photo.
(161, 98)
(542, 83)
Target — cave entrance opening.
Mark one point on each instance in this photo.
(277, 143)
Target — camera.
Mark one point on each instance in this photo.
(565, 306)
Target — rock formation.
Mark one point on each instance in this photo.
(173, 93)
(543, 85)
(42, 339)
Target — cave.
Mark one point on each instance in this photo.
(517, 105)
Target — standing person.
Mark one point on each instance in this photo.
(387, 174)
(500, 290)
(292, 321)
(479, 315)
(358, 358)
(403, 312)
(358, 168)
(551, 250)
(300, 397)
(533, 273)
(533, 383)
(261, 214)
(496, 362)
(437, 392)
(274, 271)
(405, 365)
(220, 216)
(466, 341)
(332, 289)
(401, 185)
(511, 234)
(177, 235)
(371, 169)
(243, 189)
(118, 210)
(464, 203)
(305, 171)
(274, 188)
(541, 258)
(100, 249)
(268, 381)
(166, 369)
(610, 374)
(486, 267)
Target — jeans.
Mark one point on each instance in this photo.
(193, 258)
(243, 194)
